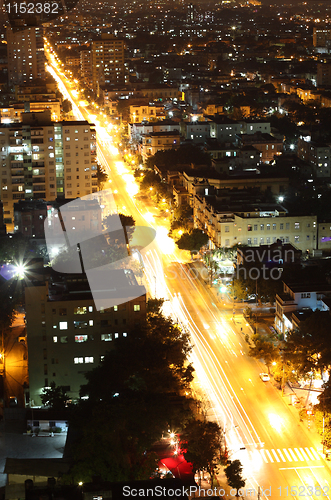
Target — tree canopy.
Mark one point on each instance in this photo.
(202, 443)
(184, 155)
(233, 474)
(54, 397)
(192, 240)
(308, 347)
(266, 351)
(135, 394)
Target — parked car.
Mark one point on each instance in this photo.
(264, 377)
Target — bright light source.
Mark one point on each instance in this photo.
(20, 271)
(280, 198)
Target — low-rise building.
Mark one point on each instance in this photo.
(159, 141)
(252, 224)
(318, 155)
(268, 145)
(299, 297)
(149, 111)
(224, 129)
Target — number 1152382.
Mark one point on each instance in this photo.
(32, 8)
(304, 491)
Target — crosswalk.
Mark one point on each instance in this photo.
(293, 455)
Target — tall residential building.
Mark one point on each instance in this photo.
(26, 58)
(321, 37)
(86, 66)
(107, 62)
(324, 74)
(318, 155)
(67, 336)
(42, 159)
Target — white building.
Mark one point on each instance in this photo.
(299, 297)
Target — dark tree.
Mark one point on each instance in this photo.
(66, 106)
(233, 474)
(193, 240)
(101, 176)
(55, 397)
(266, 351)
(202, 442)
(134, 395)
(308, 347)
(127, 222)
(184, 155)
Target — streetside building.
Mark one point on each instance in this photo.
(67, 336)
(159, 141)
(42, 159)
(252, 224)
(299, 297)
(26, 57)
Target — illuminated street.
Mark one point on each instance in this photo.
(276, 450)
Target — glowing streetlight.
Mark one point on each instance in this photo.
(20, 271)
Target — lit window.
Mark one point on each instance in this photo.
(80, 310)
(90, 322)
(90, 309)
(107, 336)
(125, 334)
(54, 339)
(63, 325)
(116, 335)
(89, 359)
(78, 360)
(81, 338)
(136, 307)
(80, 324)
(115, 308)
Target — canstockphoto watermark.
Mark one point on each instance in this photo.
(77, 243)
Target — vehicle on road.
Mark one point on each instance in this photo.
(264, 377)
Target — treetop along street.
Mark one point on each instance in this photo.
(139, 390)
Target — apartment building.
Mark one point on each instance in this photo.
(321, 36)
(202, 181)
(296, 298)
(318, 155)
(29, 216)
(196, 131)
(14, 112)
(67, 336)
(250, 126)
(42, 159)
(107, 62)
(86, 66)
(25, 52)
(159, 141)
(149, 112)
(252, 225)
(137, 131)
(268, 145)
(224, 129)
(324, 74)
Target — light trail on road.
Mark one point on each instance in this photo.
(251, 412)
